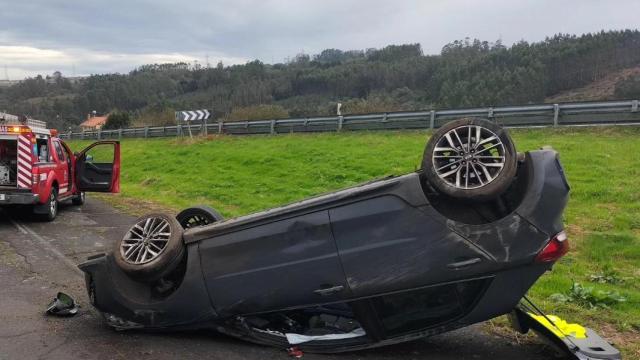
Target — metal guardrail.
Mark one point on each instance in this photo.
(591, 113)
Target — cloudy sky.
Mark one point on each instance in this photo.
(86, 37)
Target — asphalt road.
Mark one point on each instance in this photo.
(39, 259)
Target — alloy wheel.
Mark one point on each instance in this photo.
(145, 241)
(469, 157)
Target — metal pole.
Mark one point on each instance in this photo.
(340, 121)
(556, 114)
(146, 132)
(432, 119)
(273, 127)
(220, 125)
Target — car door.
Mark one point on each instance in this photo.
(97, 167)
(274, 265)
(387, 245)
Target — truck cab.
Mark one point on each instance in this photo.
(38, 169)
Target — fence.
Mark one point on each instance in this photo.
(592, 113)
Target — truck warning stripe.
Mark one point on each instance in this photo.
(25, 160)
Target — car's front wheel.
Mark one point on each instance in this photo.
(152, 248)
(471, 158)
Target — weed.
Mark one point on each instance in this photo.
(589, 297)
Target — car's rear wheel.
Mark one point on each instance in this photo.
(470, 158)
(152, 248)
(198, 216)
(50, 207)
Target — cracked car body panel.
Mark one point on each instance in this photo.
(518, 237)
(366, 251)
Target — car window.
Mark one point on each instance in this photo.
(59, 151)
(67, 152)
(44, 153)
(420, 309)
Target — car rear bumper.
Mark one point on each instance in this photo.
(18, 198)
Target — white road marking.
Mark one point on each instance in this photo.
(47, 246)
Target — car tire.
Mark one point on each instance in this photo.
(51, 206)
(78, 199)
(152, 248)
(198, 216)
(471, 158)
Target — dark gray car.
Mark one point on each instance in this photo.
(459, 242)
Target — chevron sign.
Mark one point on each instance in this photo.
(192, 115)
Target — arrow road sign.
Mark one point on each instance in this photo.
(192, 115)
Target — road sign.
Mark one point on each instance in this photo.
(192, 115)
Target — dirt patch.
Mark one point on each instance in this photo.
(626, 341)
(601, 89)
(131, 206)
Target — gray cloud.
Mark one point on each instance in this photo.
(117, 35)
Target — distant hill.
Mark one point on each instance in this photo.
(397, 77)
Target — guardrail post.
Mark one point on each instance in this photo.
(634, 106)
(204, 127)
(220, 125)
(384, 117)
(432, 119)
(82, 134)
(273, 127)
(556, 114)
(119, 134)
(99, 134)
(340, 121)
(490, 113)
(146, 132)
(178, 130)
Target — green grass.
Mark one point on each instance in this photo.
(239, 175)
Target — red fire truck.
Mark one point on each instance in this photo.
(39, 170)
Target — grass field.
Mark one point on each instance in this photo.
(239, 175)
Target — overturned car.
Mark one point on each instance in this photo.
(458, 242)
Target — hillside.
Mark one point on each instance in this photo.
(397, 77)
(600, 89)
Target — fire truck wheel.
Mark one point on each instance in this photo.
(152, 248)
(78, 199)
(51, 206)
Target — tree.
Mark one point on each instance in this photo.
(117, 120)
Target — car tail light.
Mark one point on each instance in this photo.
(555, 249)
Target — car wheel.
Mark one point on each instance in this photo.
(51, 206)
(470, 158)
(152, 248)
(198, 216)
(78, 199)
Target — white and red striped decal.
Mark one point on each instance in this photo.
(25, 162)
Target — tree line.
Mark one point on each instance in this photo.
(397, 77)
